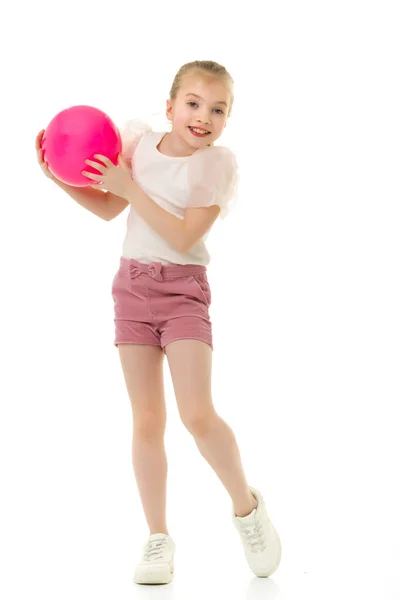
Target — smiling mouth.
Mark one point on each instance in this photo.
(199, 131)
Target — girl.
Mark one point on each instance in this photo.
(177, 183)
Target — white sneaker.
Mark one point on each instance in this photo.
(261, 543)
(157, 563)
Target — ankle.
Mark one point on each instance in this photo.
(245, 509)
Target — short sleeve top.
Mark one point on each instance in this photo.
(207, 177)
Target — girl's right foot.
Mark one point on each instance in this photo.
(157, 563)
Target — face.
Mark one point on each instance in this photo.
(199, 104)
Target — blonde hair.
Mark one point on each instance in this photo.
(204, 67)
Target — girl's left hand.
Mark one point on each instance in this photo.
(114, 179)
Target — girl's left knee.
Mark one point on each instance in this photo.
(202, 424)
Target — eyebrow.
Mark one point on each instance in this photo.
(196, 96)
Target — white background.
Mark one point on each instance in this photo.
(305, 309)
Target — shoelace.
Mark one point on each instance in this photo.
(254, 536)
(154, 549)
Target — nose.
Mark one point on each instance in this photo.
(204, 118)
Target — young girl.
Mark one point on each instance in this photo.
(177, 183)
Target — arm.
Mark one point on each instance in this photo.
(198, 221)
(89, 198)
(103, 204)
(116, 204)
(180, 234)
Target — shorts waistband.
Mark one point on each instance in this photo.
(158, 271)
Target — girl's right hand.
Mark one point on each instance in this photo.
(41, 162)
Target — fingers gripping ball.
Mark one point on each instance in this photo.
(75, 135)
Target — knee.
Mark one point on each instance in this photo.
(149, 424)
(201, 423)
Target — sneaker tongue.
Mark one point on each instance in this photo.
(158, 536)
(248, 519)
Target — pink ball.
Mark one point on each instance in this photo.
(75, 135)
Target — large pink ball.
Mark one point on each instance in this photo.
(75, 135)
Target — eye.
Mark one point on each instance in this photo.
(221, 111)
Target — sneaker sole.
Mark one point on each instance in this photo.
(278, 560)
(274, 567)
(154, 576)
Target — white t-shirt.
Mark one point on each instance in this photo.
(207, 177)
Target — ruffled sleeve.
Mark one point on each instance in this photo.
(131, 133)
(213, 179)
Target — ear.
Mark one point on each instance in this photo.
(168, 110)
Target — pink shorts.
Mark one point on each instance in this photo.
(157, 304)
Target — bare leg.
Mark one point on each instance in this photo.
(190, 362)
(216, 442)
(143, 371)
